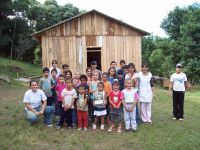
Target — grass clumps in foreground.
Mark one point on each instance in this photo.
(165, 133)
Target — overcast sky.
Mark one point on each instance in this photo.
(144, 14)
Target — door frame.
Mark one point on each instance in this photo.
(94, 51)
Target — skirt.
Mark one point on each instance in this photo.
(100, 113)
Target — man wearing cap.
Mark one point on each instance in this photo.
(94, 68)
(178, 82)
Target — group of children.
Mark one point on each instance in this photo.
(96, 98)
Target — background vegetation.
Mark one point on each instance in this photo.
(20, 18)
(181, 46)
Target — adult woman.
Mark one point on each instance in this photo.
(145, 93)
(54, 66)
(35, 105)
(178, 81)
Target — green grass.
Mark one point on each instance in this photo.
(165, 133)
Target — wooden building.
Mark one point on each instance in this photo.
(90, 36)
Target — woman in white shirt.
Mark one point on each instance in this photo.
(178, 81)
(145, 93)
(35, 105)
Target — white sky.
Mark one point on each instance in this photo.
(143, 14)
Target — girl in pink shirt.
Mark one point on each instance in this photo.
(59, 87)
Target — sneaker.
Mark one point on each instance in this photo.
(174, 118)
(127, 129)
(49, 125)
(85, 129)
(102, 127)
(94, 127)
(58, 127)
(69, 127)
(133, 129)
(181, 119)
(110, 129)
(79, 129)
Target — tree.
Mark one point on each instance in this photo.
(20, 18)
(183, 27)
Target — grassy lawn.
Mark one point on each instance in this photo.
(164, 133)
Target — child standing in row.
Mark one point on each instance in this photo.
(120, 77)
(46, 84)
(107, 89)
(129, 103)
(82, 108)
(68, 97)
(115, 99)
(59, 87)
(99, 103)
(92, 90)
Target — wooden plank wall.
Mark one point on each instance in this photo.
(91, 24)
(116, 40)
(66, 50)
(121, 47)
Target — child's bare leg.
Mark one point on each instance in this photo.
(120, 125)
(108, 119)
(95, 120)
(102, 120)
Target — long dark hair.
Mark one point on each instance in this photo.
(109, 72)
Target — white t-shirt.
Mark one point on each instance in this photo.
(58, 71)
(179, 81)
(68, 96)
(34, 98)
(130, 96)
(127, 76)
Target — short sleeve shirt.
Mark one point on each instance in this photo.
(179, 81)
(59, 88)
(130, 96)
(34, 98)
(45, 85)
(116, 98)
(81, 101)
(68, 96)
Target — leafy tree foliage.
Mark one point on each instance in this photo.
(182, 45)
(20, 18)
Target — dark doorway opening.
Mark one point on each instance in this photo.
(94, 53)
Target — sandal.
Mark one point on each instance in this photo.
(110, 129)
(119, 130)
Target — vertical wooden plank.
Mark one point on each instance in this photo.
(74, 52)
(68, 28)
(44, 52)
(66, 51)
(70, 54)
(62, 51)
(79, 26)
(84, 55)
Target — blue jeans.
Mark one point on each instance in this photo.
(74, 118)
(32, 117)
(137, 115)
